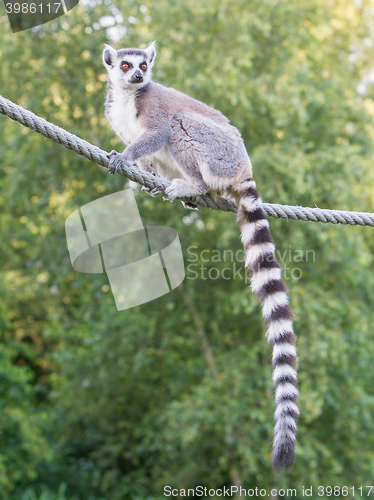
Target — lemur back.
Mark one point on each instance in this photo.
(199, 151)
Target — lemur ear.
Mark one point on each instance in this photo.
(109, 56)
(151, 53)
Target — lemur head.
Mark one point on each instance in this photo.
(129, 68)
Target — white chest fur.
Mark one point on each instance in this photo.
(121, 114)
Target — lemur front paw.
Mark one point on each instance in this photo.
(111, 156)
(116, 160)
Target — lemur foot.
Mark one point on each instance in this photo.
(180, 188)
(189, 205)
(116, 160)
(153, 191)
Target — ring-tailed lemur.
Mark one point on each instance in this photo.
(195, 147)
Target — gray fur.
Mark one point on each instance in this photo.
(182, 137)
(221, 146)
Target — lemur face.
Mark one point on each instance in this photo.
(129, 68)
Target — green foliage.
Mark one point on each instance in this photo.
(30, 494)
(99, 404)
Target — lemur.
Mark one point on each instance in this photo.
(196, 148)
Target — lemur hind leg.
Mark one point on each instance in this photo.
(182, 188)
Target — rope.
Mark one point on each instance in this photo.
(93, 153)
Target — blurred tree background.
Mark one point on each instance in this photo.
(98, 404)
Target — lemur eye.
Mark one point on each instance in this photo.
(125, 65)
(143, 66)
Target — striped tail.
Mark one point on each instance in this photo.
(267, 284)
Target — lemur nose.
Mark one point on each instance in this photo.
(138, 76)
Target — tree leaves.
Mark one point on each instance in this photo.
(100, 404)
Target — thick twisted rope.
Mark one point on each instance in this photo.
(93, 153)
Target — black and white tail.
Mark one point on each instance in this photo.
(267, 284)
